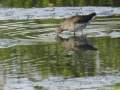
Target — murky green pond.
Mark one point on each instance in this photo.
(33, 58)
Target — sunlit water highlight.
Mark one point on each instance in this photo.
(54, 12)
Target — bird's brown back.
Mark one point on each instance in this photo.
(69, 23)
(82, 18)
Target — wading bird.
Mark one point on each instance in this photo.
(75, 23)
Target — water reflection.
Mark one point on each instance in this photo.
(23, 65)
(30, 56)
(76, 43)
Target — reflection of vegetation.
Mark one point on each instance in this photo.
(117, 84)
(50, 58)
(109, 54)
(116, 89)
(44, 59)
(47, 3)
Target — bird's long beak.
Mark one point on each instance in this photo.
(57, 34)
(58, 31)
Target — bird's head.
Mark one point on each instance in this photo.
(58, 30)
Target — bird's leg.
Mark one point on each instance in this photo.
(74, 33)
(82, 33)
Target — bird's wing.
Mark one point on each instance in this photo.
(75, 22)
(82, 20)
(79, 19)
(66, 24)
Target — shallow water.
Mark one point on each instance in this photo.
(32, 58)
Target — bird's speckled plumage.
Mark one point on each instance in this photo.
(75, 23)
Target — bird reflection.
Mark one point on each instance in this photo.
(75, 43)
